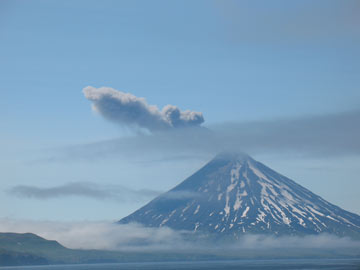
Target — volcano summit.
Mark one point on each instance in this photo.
(234, 194)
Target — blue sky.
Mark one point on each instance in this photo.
(234, 61)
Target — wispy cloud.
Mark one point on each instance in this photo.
(127, 109)
(83, 189)
(284, 22)
(318, 135)
(180, 195)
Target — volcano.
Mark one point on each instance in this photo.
(234, 194)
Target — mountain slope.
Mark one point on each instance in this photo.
(234, 194)
(23, 242)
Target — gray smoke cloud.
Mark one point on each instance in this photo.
(127, 109)
(83, 189)
(329, 135)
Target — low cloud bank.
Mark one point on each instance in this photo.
(127, 109)
(83, 189)
(310, 241)
(98, 235)
(135, 237)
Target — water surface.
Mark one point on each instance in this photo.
(330, 264)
